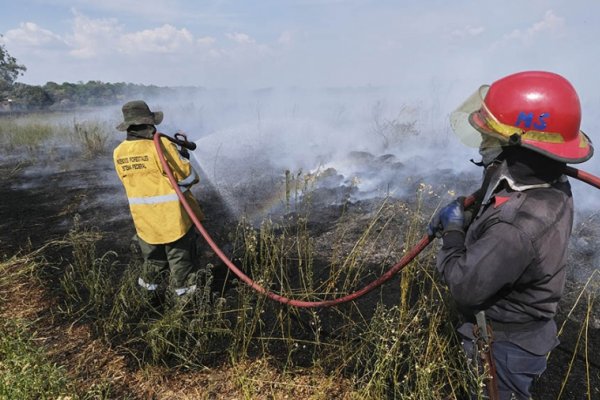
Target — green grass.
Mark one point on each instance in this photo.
(32, 131)
(21, 132)
(25, 371)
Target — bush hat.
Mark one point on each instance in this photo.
(137, 112)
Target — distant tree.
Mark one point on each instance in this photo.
(31, 97)
(9, 69)
(66, 95)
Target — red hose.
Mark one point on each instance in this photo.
(583, 176)
(408, 257)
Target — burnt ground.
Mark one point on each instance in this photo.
(44, 194)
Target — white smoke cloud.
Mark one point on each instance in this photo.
(246, 142)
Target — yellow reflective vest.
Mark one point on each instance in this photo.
(158, 215)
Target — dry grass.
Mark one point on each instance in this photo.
(407, 349)
(25, 132)
(92, 137)
(33, 131)
(98, 336)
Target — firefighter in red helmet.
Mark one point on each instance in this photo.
(504, 260)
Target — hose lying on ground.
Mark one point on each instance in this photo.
(407, 258)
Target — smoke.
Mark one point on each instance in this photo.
(373, 141)
(262, 150)
(255, 148)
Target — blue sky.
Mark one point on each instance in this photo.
(312, 43)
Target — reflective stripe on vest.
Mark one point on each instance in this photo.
(153, 199)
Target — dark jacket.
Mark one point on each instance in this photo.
(511, 261)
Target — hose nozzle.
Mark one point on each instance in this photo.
(182, 140)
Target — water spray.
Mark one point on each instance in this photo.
(181, 140)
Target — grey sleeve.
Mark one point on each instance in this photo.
(475, 274)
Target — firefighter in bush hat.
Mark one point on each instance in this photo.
(165, 233)
(504, 259)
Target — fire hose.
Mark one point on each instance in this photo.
(181, 140)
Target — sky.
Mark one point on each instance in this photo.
(413, 45)
(434, 50)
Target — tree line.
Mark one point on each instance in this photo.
(16, 96)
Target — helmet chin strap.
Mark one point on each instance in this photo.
(489, 156)
(478, 163)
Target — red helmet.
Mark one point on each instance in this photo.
(538, 110)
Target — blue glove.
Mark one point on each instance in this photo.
(449, 218)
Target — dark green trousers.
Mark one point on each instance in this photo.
(177, 259)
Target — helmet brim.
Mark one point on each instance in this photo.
(574, 151)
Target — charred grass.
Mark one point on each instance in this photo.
(76, 325)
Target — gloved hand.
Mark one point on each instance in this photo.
(449, 218)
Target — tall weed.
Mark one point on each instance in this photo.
(92, 137)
